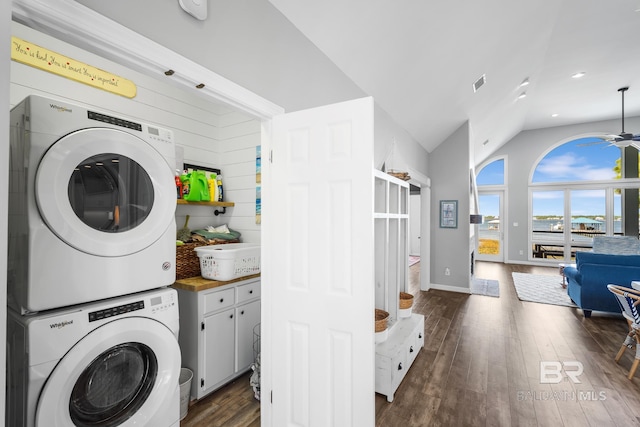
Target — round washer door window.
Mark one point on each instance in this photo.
(114, 386)
(122, 373)
(105, 192)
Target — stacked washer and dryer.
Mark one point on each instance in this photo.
(92, 326)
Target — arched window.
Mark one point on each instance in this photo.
(578, 191)
(583, 159)
(491, 174)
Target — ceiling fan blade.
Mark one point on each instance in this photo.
(612, 138)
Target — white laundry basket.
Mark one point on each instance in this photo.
(186, 375)
(230, 261)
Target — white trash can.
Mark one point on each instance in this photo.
(186, 375)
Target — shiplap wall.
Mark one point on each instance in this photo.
(210, 134)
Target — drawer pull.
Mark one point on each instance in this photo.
(411, 349)
(400, 366)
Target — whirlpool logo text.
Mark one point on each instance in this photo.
(60, 109)
(61, 325)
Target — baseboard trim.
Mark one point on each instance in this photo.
(450, 288)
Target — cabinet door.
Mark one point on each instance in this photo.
(219, 347)
(248, 316)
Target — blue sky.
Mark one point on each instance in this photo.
(584, 159)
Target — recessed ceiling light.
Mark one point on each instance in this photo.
(578, 75)
(555, 115)
(525, 82)
(522, 95)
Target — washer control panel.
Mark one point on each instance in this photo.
(115, 311)
(162, 303)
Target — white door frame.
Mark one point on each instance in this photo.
(424, 182)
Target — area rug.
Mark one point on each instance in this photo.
(488, 287)
(541, 288)
(413, 260)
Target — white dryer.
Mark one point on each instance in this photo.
(91, 205)
(110, 363)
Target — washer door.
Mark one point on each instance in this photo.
(123, 373)
(105, 192)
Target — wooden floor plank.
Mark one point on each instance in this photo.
(481, 366)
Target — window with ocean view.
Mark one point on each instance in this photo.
(577, 191)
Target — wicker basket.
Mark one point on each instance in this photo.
(381, 320)
(406, 300)
(187, 261)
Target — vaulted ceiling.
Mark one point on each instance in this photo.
(420, 58)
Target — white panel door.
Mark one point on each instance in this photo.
(318, 296)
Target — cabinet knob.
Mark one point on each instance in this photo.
(420, 335)
(251, 291)
(411, 349)
(400, 366)
(242, 312)
(231, 316)
(221, 299)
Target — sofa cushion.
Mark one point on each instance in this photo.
(609, 259)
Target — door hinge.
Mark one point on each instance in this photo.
(202, 326)
(270, 156)
(271, 396)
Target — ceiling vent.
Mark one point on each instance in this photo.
(478, 83)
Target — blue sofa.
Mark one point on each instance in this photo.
(588, 280)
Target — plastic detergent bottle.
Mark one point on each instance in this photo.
(178, 186)
(185, 178)
(213, 186)
(198, 187)
(219, 188)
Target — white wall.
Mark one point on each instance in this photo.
(211, 135)
(449, 166)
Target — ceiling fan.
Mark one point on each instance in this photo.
(624, 139)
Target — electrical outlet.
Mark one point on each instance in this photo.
(447, 271)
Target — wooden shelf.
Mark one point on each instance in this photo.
(222, 204)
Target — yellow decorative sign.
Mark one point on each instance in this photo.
(44, 59)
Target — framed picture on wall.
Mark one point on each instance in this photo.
(448, 214)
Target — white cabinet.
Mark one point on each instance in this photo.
(405, 336)
(216, 331)
(395, 355)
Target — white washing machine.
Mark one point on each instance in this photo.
(91, 205)
(110, 363)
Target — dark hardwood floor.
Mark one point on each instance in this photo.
(480, 366)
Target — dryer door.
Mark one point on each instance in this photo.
(105, 192)
(122, 373)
